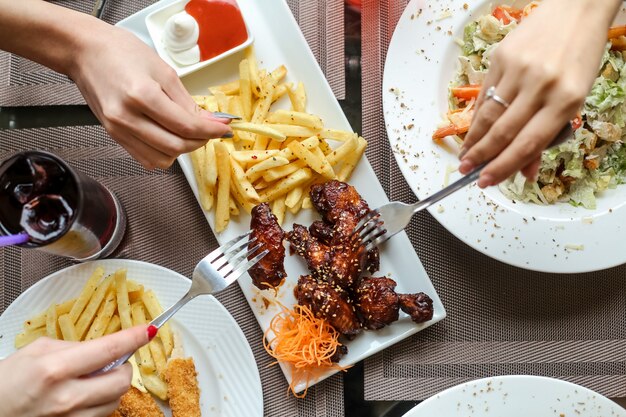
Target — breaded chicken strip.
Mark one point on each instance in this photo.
(182, 388)
(138, 404)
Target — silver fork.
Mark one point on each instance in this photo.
(214, 272)
(382, 223)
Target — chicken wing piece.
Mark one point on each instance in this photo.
(138, 404)
(328, 302)
(332, 198)
(377, 302)
(269, 272)
(419, 306)
(182, 388)
(342, 208)
(338, 265)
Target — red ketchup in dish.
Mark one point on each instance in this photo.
(221, 26)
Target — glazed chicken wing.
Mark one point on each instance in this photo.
(341, 208)
(338, 265)
(419, 306)
(269, 272)
(328, 302)
(377, 302)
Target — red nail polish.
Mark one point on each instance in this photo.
(152, 331)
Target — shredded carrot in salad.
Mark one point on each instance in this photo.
(304, 342)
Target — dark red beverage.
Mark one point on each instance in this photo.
(62, 211)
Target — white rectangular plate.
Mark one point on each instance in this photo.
(278, 40)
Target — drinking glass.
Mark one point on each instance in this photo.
(63, 211)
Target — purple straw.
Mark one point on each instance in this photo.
(14, 239)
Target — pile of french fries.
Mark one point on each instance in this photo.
(106, 305)
(275, 155)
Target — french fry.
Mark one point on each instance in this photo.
(154, 384)
(24, 339)
(280, 172)
(210, 164)
(259, 129)
(263, 105)
(133, 286)
(158, 354)
(252, 157)
(205, 191)
(68, 331)
(256, 171)
(307, 203)
(39, 320)
(36, 322)
(297, 97)
(317, 163)
(352, 160)
(103, 317)
(275, 145)
(123, 303)
(236, 109)
(245, 88)
(241, 200)
(343, 151)
(222, 101)
(222, 212)
(325, 147)
(286, 184)
(338, 135)
(242, 183)
(291, 130)
(279, 208)
(281, 90)
(279, 73)
(135, 296)
(86, 294)
(154, 310)
(230, 88)
(296, 208)
(295, 118)
(232, 207)
(255, 82)
(87, 316)
(51, 322)
(146, 363)
(114, 325)
(294, 196)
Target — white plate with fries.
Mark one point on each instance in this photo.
(227, 374)
(421, 62)
(293, 132)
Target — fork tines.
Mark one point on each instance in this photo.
(231, 259)
(370, 229)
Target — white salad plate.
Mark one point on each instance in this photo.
(155, 22)
(278, 40)
(517, 396)
(227, 373)
(421, 62)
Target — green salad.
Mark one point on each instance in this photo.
(576, 171)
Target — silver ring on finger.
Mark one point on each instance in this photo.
(491, 94)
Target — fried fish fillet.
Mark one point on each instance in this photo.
(138, 404)
(182, 388)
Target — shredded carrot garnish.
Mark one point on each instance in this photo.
(304, 342)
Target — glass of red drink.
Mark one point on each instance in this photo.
(63, 211)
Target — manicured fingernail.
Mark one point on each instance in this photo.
(152, 331)
(227, 135)
(225, 115)
(466, 166)
(485, 181)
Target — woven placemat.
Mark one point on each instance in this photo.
(166, 227)
(501, 319)
(25, 83)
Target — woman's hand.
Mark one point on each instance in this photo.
(50, 377)
(544, 69)
(139, 99)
